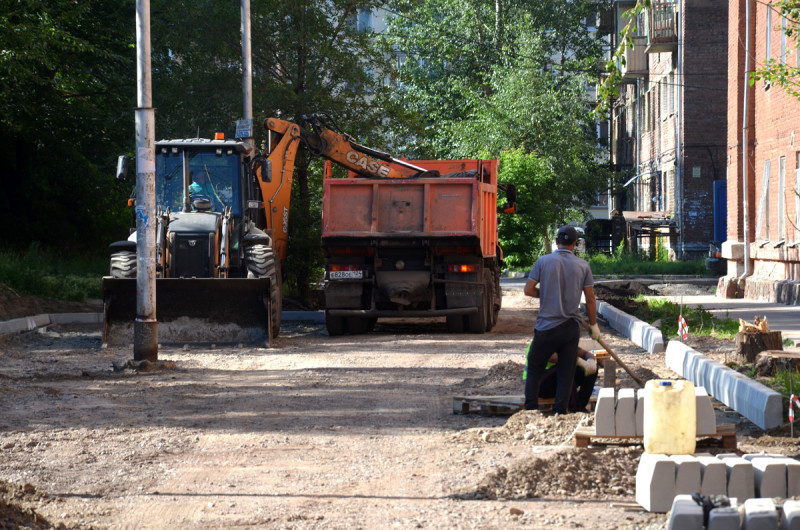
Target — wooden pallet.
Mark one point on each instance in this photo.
(498, 405)
(725, 437)
(489, 405)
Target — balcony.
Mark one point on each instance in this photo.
(635, 60)
(662, 27)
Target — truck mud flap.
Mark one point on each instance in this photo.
(203, 310)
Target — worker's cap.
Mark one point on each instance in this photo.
(567, 234)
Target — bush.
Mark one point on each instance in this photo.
(41, 273)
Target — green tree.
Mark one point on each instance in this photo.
(514, 90)
(65, 113)
(308, 56)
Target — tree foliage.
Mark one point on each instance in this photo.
(508, 79)
(308, 56)
(65, 113)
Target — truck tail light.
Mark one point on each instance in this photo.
(462, 268)
(336, 268)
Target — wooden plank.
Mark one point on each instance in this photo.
(782, 354)
(726, 433)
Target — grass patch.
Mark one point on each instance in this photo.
(43, 273)
(633, 264)
(700, 321)
(786, 382)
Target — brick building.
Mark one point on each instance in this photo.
(763, 226)
(669, 124)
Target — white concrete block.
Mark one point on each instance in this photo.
(792, 476)
(640, 332)
(706, 419)
(640, 412)
(604, 422)
(688, 473)
(750, 456)
(760, 514)
(758, 403)
(685, 513)
(714, 478)
(724, 519)
(770, 477)
(655, 482)
(625, 413)
(790, 517)
(741, 482)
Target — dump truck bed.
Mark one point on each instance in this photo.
(460, 206)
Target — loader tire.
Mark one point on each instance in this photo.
(262, 262)
(123, 264)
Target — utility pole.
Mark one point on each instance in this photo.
(246, 129)
(145, 327)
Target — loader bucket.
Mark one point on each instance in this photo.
(192, 310)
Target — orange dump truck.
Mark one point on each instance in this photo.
(413, 247)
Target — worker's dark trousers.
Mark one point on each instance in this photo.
(563, 340)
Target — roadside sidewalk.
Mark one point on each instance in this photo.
(780, 317)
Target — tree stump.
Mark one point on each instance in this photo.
(749, 345)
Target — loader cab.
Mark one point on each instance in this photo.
(206, 169)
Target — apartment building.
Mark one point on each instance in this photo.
(668, 126)
(762, 162)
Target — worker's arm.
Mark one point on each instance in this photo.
(532, 289)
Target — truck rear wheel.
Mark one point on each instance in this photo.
(455, 323)
(335, 325)
(358, 325)
(481, 322)
(261, 262)
(123, 264)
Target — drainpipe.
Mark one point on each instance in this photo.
(679, 135)
(745, 151)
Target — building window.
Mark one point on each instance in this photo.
(768, 39)
(797, 197)
(364, 21)
(783, 40)
(762, 222)
(782, 198)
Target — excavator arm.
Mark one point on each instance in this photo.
(274, 171)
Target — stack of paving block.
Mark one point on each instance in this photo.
(661, 478)
(754, 513)
(624, 415)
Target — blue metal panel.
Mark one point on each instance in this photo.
(720, 210)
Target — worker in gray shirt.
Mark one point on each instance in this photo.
(558, 280)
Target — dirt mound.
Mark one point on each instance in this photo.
(502, 378)
(531, 426)
(14, 513)
(598, 475)
(620, 294)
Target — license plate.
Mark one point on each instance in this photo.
(346, 275)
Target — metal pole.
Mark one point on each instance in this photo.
(745, 150)
(145, 327)
(247, 69)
